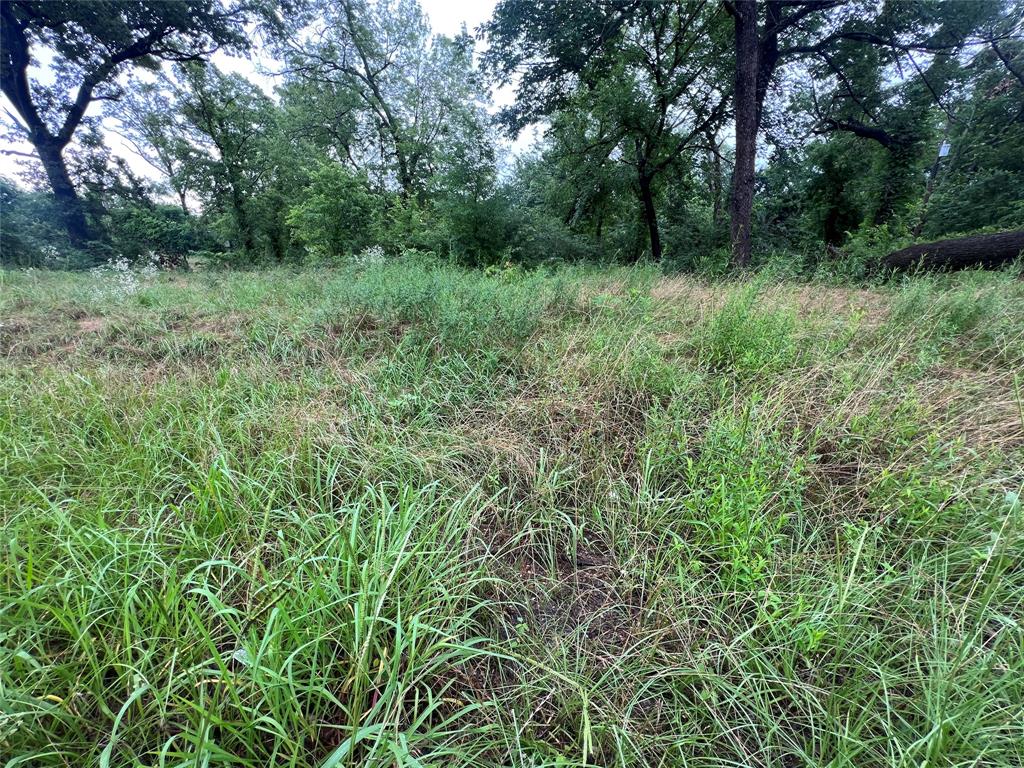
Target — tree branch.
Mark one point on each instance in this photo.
(84, 97)
(864, 131)
(16, 153)
(14, 72)
(1007, 62)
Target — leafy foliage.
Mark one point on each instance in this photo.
(377, 132)
(336, 215)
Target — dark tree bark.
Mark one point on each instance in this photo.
(960, 252)
(48, 145)
(136, 32)
(744, 13)
(183, 200)
(650, 215)
(72, 211)
(714, 172)
(754, 73)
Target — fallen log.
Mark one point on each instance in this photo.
(959, 252)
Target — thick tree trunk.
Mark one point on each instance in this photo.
(745, 100)
(960, 252)
(70, 204)
(650, 216)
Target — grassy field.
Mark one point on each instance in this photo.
(406, 515)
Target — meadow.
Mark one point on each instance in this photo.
(403, 514)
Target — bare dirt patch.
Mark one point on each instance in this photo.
(91, 324)
(582, 596)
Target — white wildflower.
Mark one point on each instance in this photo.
(369, 257)
(118, 279)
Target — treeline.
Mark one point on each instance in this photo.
(698, 133)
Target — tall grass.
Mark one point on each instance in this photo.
(408, 515)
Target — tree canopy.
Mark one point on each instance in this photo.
(89, 45)
(690, 132)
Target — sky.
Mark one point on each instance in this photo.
(446, 17)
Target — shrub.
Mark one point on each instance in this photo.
(30, 232)
(743, 338)
(337, 215)
(138, 230)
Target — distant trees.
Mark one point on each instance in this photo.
(150, 120)
(658, 79)
(399, 93)
(337, 214)
(703, 133)
(863, 53)
(236, 149)
(91, 44)
(645, 76)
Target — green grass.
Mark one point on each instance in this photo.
(415, 516)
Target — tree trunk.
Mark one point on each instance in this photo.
(72, 211)
(183, 201)
(714, 172)
(404, 175)
(650, 216)
(745, 101)
(960, 252)
(717, 212)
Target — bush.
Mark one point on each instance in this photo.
(480, 232)
(30, 231)
(338, 216)
(744, 338)
(137, 230)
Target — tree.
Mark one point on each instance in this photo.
(151, 123)
(233, 127)
(980, 182)
(744, 13)
(960, 252)
(860, 47)
(335, 217)
(586, 180)
(400, 91)
(757, 56)
(645, 73)
(91, 44)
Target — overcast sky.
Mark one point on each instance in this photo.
(446, 17)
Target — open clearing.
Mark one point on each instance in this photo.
(410, 515)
